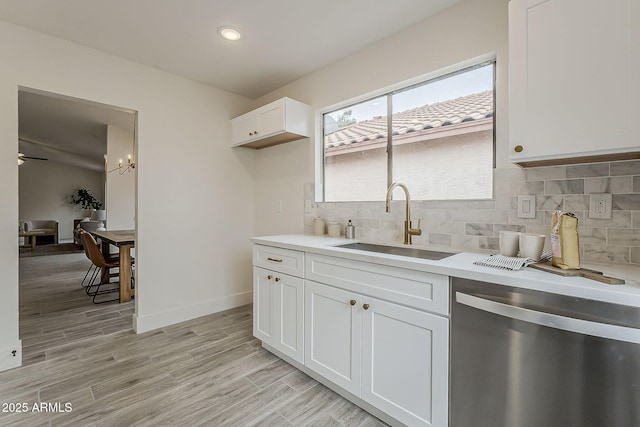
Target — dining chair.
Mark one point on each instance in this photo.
(93, 269)
(99, 263)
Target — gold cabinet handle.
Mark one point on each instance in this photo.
(274, 259)
(518, 148)
(277, 279)
(269, 277)
(365, 306)
(353, 302)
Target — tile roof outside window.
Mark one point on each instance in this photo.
(431, 117)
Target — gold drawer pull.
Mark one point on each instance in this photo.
(277, 279)
(518, 148)
(274, 259)
(269, 277)
(353, 302)
(365, 306)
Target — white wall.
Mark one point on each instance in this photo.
(194, 194)
(467, 30)
(45, 189)
(121, 187)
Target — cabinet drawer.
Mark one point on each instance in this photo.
(282, 260)
(412, 288)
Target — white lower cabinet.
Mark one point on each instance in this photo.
(405, 359)
(378, 332)
(278, 320)
(332, 331)
(389, 355)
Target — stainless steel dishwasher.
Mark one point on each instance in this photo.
(534, 359)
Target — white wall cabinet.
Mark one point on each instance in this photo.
(281, 121)
(573, 67)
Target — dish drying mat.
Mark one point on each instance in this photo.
(510, 262)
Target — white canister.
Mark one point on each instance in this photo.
(334, 229)
(318, 226)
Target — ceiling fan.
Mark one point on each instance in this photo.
(22, 158)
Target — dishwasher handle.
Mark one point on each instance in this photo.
(586, 327)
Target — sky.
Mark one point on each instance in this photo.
(452, 87)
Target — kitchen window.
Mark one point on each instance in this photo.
(437, 137)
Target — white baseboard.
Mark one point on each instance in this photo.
(183, 313)
(11, 356)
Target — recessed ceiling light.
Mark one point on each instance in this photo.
(229, 33)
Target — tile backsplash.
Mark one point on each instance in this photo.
(474, 225)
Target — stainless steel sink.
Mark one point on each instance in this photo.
(397, 250)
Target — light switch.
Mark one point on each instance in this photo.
(527, 206)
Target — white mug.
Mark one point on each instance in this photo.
(509, 243)
(531, 245)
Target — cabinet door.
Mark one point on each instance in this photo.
(289, 316)
(405, 354)
(244, 128)
(264, 305)
(332, 334)
(572, 78)
(271, 118)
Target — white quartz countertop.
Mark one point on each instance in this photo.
(461, 265)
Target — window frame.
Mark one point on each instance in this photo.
(388, 92)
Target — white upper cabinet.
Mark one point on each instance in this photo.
(574, 68)
(281, 121)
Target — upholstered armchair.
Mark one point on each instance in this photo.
(48, 227)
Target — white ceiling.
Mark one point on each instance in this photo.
(283, 40)
(67, 130)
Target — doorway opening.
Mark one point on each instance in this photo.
(68, 144)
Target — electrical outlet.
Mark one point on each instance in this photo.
(307, 206)
(600, 206)
(527, 206)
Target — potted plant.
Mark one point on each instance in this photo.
(85, 199)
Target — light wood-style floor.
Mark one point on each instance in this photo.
(209, 371)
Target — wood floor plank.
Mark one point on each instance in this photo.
(271, 373)
(200, 403)
(208, 371)
(253, 410)
(308, 407)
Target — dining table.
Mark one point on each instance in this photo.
(124, 240)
